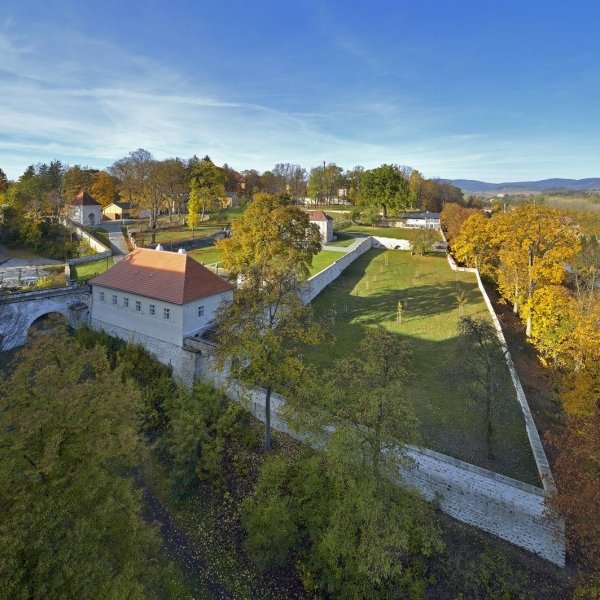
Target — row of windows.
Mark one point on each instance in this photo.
(151, 307)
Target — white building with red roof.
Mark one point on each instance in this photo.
(84, 210)
(156, 299)
(324, 222)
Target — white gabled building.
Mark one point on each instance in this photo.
(324, 223)
(84, 210)
(424, 220)
(156, 299)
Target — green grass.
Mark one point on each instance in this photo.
(206, 256)
(100, 234)
(323, 260)
(342, 240)
(398, 233)
(86, 271)
(181, 233)
(450, 422)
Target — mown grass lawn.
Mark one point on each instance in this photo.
(367, 294)
(323, 260)
(397, 233)
(212, 254)
(86, 271)
(343, 240)
(182, 233)
(206, 256)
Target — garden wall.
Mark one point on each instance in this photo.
(102, 251)
(541, 460)
(509, 509)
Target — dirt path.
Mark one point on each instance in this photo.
(179, 548)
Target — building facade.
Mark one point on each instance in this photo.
(157, 299)
(84, 210)
(324, 223)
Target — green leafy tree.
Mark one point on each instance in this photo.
(484, 374)
(3, 182)
(207, 191)
(267, 323)
(385, 188)
(424, 242)
(71, 524)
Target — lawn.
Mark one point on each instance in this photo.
(323, 260)
(206, 256)
(86, 271)
(367, 293)
(398, 233)
(342, 239)
(178, 234)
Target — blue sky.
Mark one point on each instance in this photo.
(496, 90)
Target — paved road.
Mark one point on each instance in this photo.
(115, 236)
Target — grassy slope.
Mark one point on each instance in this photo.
(206, 256)
(450, 422)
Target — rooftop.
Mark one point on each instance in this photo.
(84, 199)
(420, 215)
(167, 276)
(318, 215)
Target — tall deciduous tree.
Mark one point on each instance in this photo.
(484, 373)
(104, 188)
(264, 327)
(207, 191)
(386, 188)
(71, 523)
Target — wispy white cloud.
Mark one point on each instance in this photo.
(89, 101)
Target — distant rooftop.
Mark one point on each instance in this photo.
(420, 215)
(318, 215)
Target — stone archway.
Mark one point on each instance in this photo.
(47, 322)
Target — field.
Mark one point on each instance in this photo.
(86, 271)
(367, 293)
(206, 256)
(182, 233)
(342, 239)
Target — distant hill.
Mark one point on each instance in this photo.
(471, 186)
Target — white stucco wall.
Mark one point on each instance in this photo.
(326, 230)
(80, 214)
(193, 324)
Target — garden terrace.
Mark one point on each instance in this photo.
(367, 294)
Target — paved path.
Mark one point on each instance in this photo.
(115, 236)
(345, 249)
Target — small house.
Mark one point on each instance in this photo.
(84, 210)
(324, 223)
(423, 220)
(118, 210)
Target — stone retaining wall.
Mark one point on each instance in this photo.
(505, 507)
(539, 454)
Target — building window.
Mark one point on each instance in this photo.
(166, 313)
(152, 309)
(126, 302)
(201, 311)
(101, 296)
(138, 306)
(114, 299)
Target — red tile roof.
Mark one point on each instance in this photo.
(318, 215)
(83, 198)
(167, 276)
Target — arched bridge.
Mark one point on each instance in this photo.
(19, 311)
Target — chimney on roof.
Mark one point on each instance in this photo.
(159, 247)
(181, 251)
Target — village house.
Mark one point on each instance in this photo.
(423, 220)
(157, 299)
(118, 210)
(324, 223)
(84, 210)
